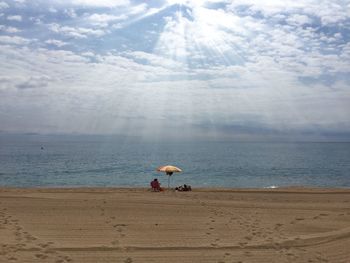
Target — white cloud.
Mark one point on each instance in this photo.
(133, 91)
(270, 7)
(216, 66)
(3, 5)
(104, 19)
(299, 20)
(88, 54)
(55, 42)
(70, 12)
(102, 3)
(14, 18)
(10, 29)
(76, 32)
(138, 9)
(154, 59)
(14, 40)
(327, 11)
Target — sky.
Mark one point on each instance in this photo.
(238, 69)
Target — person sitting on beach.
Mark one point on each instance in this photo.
(186, 188)
(155, 185)
(183, 188)
(178, 188)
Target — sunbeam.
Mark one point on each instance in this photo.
(204, 63)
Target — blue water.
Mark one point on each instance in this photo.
(105, 161)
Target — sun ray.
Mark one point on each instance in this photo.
(151, 12)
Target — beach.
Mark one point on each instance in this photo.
(205, 225)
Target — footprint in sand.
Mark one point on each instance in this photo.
(232, 219)
(43, 245)
(242, 244)
(41, 256)
(128, 260)
(120, 228)
(41, 250)
(248, 238)
(227, 257)
(248, 253)
(115, 242)
(63, 259)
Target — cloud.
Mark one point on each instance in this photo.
(275, 105)
(328, 12)
(70, 12)
(101, 3)
(299, 20)
(103, 20)
(55, 42)
(154, 59)
(76, 32)
(14, 40)
(137, 9)
(17, 18)
(105, 17)
(3, 5)
(9, 29)
(34, 83)
(219, 67)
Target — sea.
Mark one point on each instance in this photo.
(106, 161)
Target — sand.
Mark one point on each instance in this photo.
(205, 225)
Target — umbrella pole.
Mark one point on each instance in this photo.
(168, 181)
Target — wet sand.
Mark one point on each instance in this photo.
(205, 225)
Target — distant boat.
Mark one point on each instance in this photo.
(42, 148)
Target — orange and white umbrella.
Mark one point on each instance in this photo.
(169, 170)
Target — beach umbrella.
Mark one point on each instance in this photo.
(169, 170)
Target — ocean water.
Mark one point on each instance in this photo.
(73, 161)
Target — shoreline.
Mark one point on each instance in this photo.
(127, 225)
(288, 189)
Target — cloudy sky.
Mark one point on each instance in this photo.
(184, 68)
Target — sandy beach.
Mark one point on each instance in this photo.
(205, 225)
